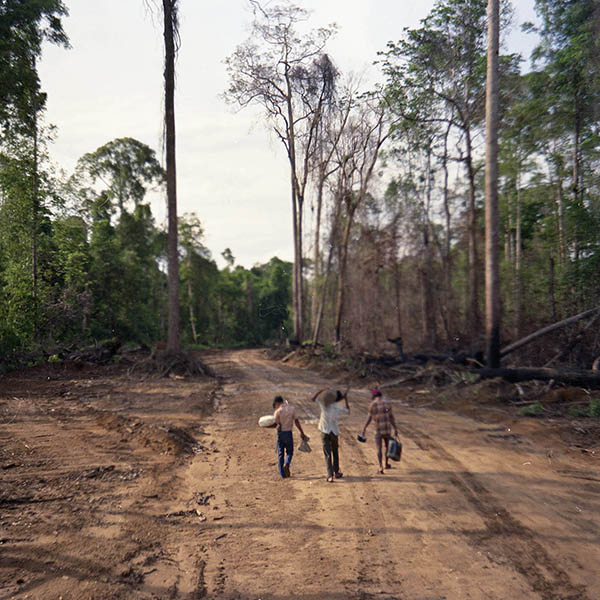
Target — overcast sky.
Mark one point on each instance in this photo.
(230, 171)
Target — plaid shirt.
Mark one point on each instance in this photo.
(380, 412)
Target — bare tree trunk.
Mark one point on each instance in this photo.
(526, 340)
(518, 260)
(300, 270)
(295, 280)
(447, 258)
(473, 317)
(576, 340)
(170, 34)
(577, 152)
(323, 296)
(397, 286)
(296, 216)
(508, 236)
(192, 315)
(429, 314)
(35, 222)
(339, 307)
(586, 379)
(562, 247)
(492, 269)
(317, 257)
(319, 316)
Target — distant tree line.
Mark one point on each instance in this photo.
(100, 265)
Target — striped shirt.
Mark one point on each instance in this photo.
(380, 412)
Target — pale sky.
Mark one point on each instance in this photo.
(230, 171)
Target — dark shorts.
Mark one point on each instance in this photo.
(382, 436)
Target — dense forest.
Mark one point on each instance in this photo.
(387, 189)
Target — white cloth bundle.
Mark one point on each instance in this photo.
(267, 421)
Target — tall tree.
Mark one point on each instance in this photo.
(286, 71)
(171, 39)
(492, 269)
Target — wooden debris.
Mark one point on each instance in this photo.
(288, 356)
(523, 341)
(590, 379)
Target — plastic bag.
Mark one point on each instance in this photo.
(304, 447)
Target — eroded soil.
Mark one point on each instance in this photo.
(114, 487)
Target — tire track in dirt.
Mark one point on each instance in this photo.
(505, 536)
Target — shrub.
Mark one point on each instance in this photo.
(595, 408)
(532, 410)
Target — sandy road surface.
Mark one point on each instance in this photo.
(97, 508)
(473, 511)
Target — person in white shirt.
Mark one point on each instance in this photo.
(330, 403)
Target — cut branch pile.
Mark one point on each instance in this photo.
(101, 354)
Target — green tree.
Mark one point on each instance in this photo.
(568, 51)
(568, 83)
(198, 277)
(123, 290)
(124, 169)
(24, 184)
(24, 26)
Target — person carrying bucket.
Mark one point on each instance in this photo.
(380, 412)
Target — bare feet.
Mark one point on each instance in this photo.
(330, 480)
(381, 471)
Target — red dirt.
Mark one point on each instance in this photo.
(119, 487)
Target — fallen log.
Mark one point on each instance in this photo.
(536, 334)
(576, 340)
(474, 357)
(588, 379)
(288, 356)
(411, 377)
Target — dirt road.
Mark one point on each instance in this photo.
(113, 488)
